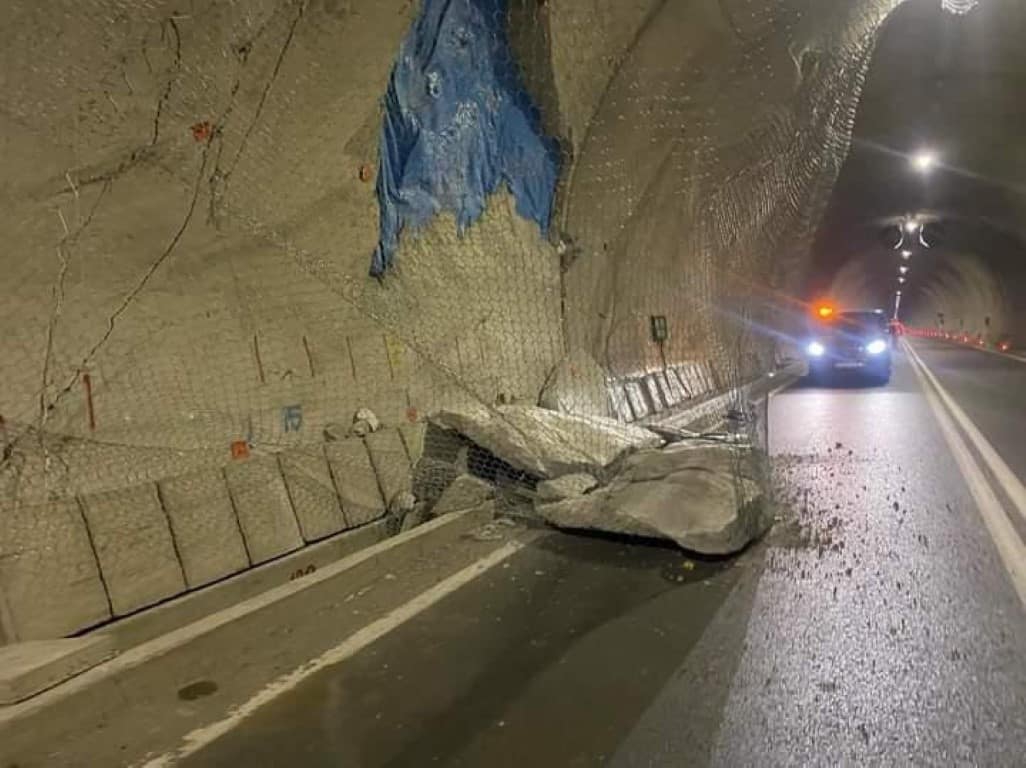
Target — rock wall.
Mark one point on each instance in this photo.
(189, 215)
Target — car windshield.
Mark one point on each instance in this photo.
(863, 322)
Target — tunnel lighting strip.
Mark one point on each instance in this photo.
(959, 7)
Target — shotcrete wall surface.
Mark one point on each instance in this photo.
(189, 214)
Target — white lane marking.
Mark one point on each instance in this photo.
(207, 734)
(1005, 476)
(1010, 547)
(978, 348)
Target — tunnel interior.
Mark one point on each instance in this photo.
(198, 195)
(945, 85)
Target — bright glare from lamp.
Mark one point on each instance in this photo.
(901, 280)
(924, 162)
(903, 269)
(911, 225)
(815, 349)
(906, 255)
(876, 346)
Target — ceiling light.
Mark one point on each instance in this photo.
(924, 162)
(959, 7)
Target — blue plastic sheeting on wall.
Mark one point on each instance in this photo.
(457, 123)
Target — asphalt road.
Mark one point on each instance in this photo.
(876, 625)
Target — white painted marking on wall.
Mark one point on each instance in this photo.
(1009, 481)
(201, 737)
(1010, 547)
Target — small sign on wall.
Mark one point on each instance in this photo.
(660, 328)
(292, 418)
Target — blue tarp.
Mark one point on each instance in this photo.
(458, 121)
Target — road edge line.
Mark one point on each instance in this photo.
(1006, 539)
(205, 735)
(1007, 479)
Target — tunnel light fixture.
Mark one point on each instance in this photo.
(825, 311)
(903, 269)
(911, 226)
(901, 280)
(924, 161)
(959, 7)
(906, 255)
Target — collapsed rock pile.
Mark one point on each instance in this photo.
(598, 474)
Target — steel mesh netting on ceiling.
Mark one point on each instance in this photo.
(599, 204)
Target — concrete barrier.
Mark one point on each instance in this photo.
(618, 402)
(262, 505)
(390, 462)
(655, 396)
(355, 481)
(204, 526)
(133, 546)
(413, 438)
(636, 398)
(50, 583)
(313, 495)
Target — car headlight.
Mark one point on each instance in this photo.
(876, 346)
(815, 349)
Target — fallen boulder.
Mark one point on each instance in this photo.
(566, 487)
(465, 492)
(706, 497)
(545, 443)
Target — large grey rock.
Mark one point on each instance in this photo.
(133, 543)
(265, 513)
(355, 482)
(465, 492)
(577, 385)
(565, 487)
(705, 497)
(204, 525)
(545, 443)
(49, 579)
(312, 492)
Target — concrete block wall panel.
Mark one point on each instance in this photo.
(355, 481)
(134, 547)
(264, 510)
(654, 393)
(677, 395)
(50, 583)
(620, 404)
(203, 523)
(637, 400)
(677, 374)
(668, 395)
(312, 491)
(390, 461)
(413, 436)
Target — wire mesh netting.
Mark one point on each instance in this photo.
(199, 373)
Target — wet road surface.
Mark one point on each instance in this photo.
(875, 625)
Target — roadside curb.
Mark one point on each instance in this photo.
(348, 574)
(754, 392)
